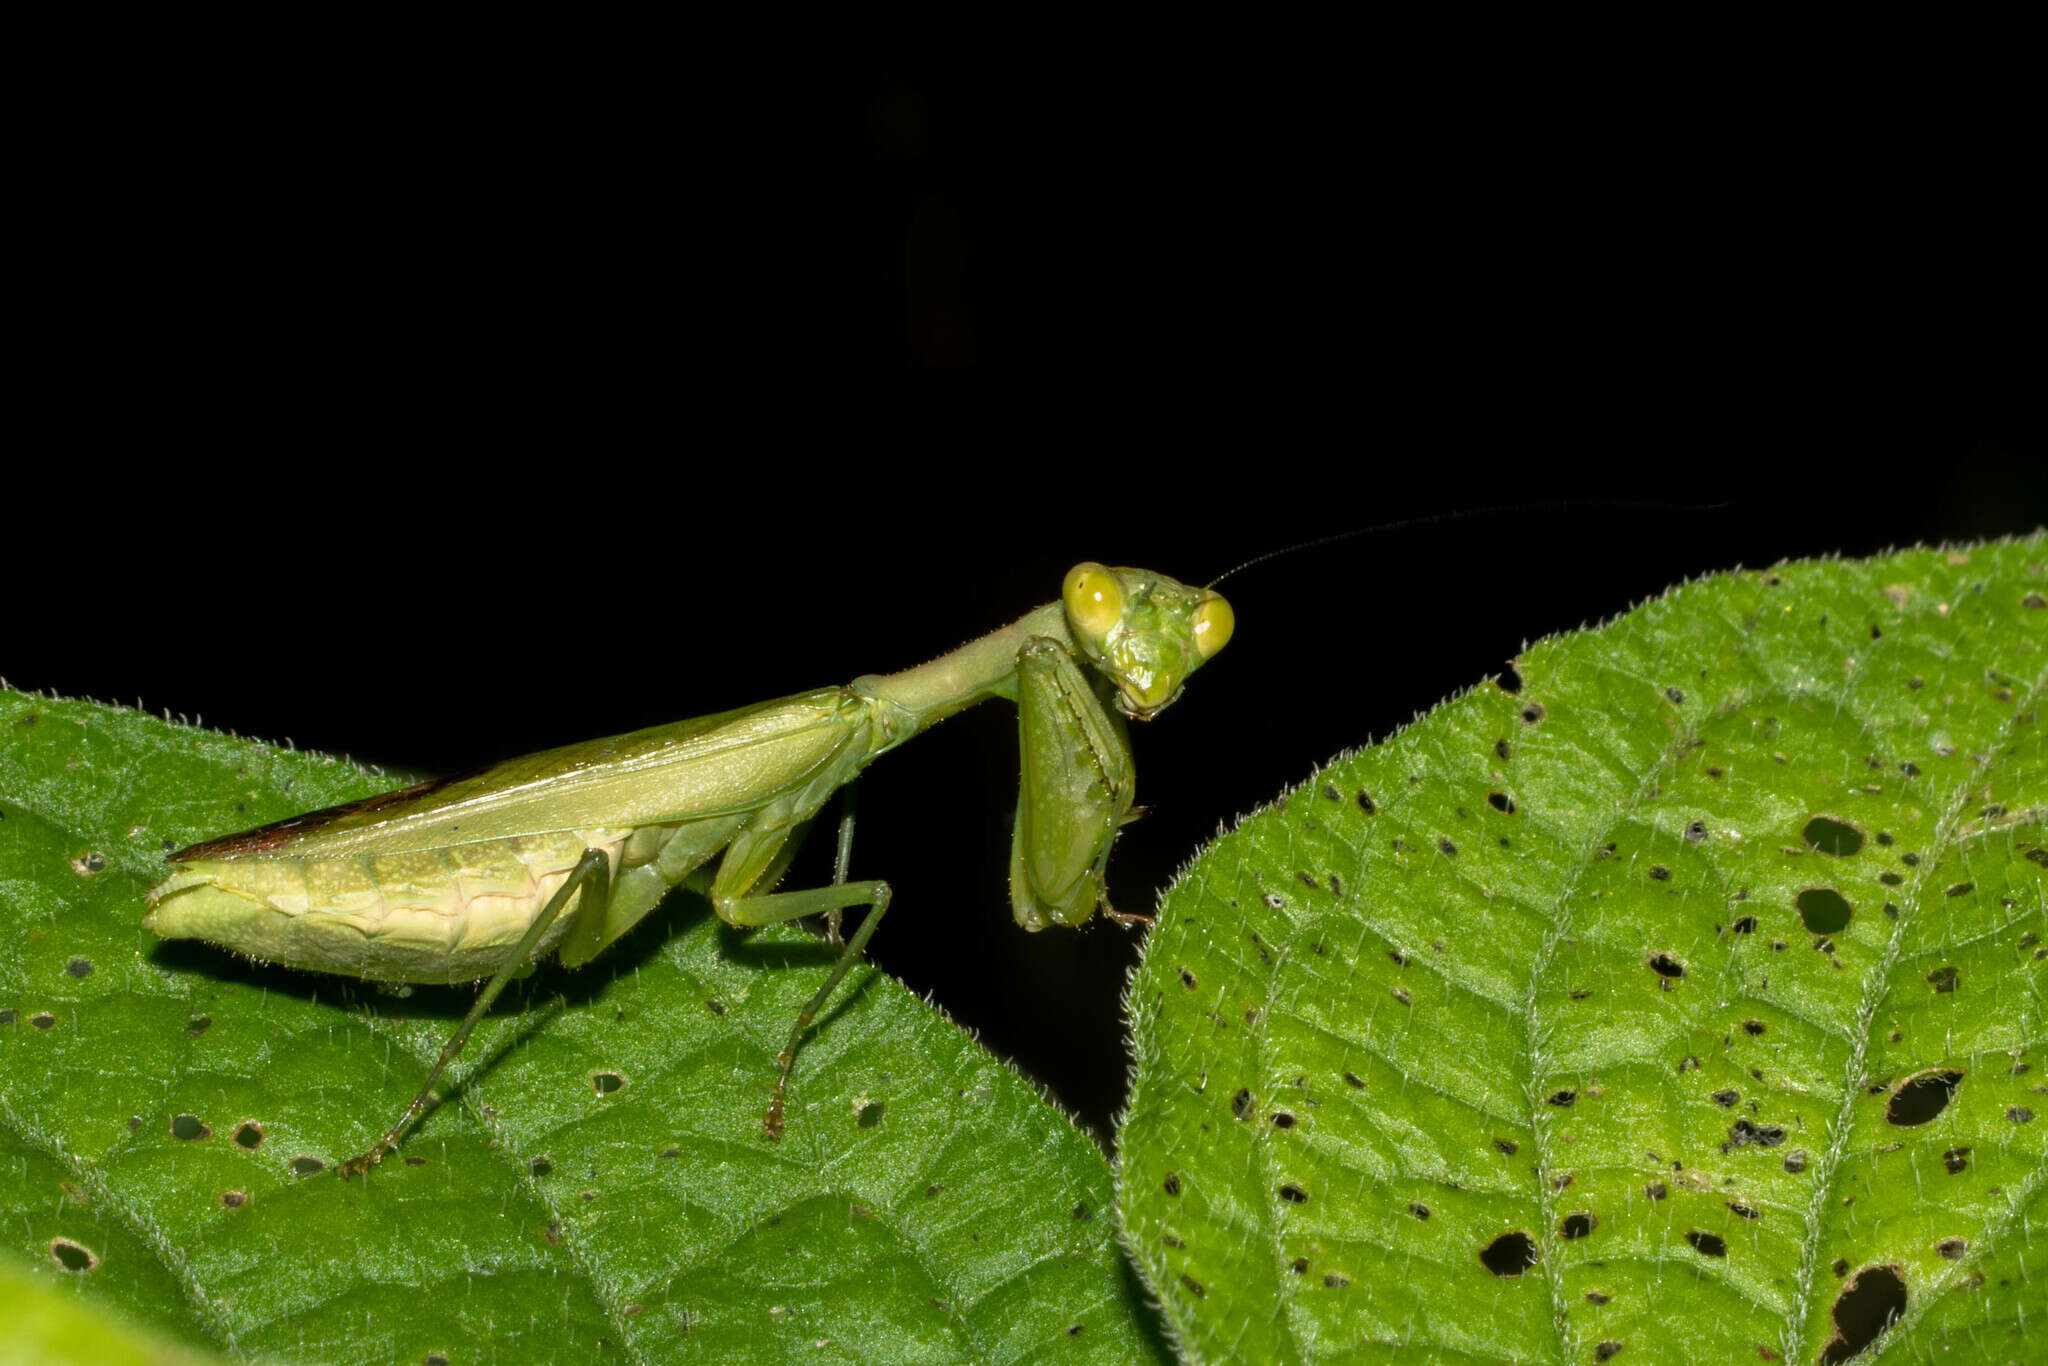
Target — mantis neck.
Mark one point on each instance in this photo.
(958, 679)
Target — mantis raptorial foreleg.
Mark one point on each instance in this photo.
(593, 876)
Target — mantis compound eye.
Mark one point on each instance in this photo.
(1214, 621)
(1093, 599)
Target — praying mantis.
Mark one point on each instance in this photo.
(478, 878)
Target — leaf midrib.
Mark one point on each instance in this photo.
(1877, 986)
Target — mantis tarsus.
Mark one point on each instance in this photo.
(479, 877)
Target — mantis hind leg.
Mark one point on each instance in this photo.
(591, 875)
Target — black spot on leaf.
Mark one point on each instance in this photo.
(1865, 1308)
(1831, 836)
(1707, 1244)
(1823, 910)
(1509, 1255)
(73, 1256)
(1920, 1099)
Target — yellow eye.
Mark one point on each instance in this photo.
(1094, 602)
(1214, 621)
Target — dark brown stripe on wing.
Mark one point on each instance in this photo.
(266, 839)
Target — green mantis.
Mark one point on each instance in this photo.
(479, 877)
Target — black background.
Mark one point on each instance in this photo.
(432, 420)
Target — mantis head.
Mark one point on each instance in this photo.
(1144, 631)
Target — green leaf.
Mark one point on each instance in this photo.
(599, 1183)
(1681, 997)
(50, 1323)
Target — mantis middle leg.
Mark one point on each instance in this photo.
(744, 864)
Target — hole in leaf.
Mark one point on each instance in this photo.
(43, 1020)
(540, 1166)
(1365, 802)
(1865, 1308)
(1501, 802)
(189, 1128)
(1831, 836)
(1171, 1185)
(1607, 1350)
(606, 1083)
(1664, 965)
(1187, 979)
(1707, 1244)
(249, 1135)
(1952, 1249)
(1823, 910)
(1532, 713)
(1957, 1160)
(1283, 1119)
(1576, 1225)
(1241, 1104)
(1293, 1194)
(1919, 1099)
(1509, 1255)
(869, 1115)
(73, 1256)
(307, 1166)
(1943, 979)
(78, 967)
(1511, 680)
(1745, 925)
(233, 1199)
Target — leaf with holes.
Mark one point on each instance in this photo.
(600, 1185)
(1682, 996)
